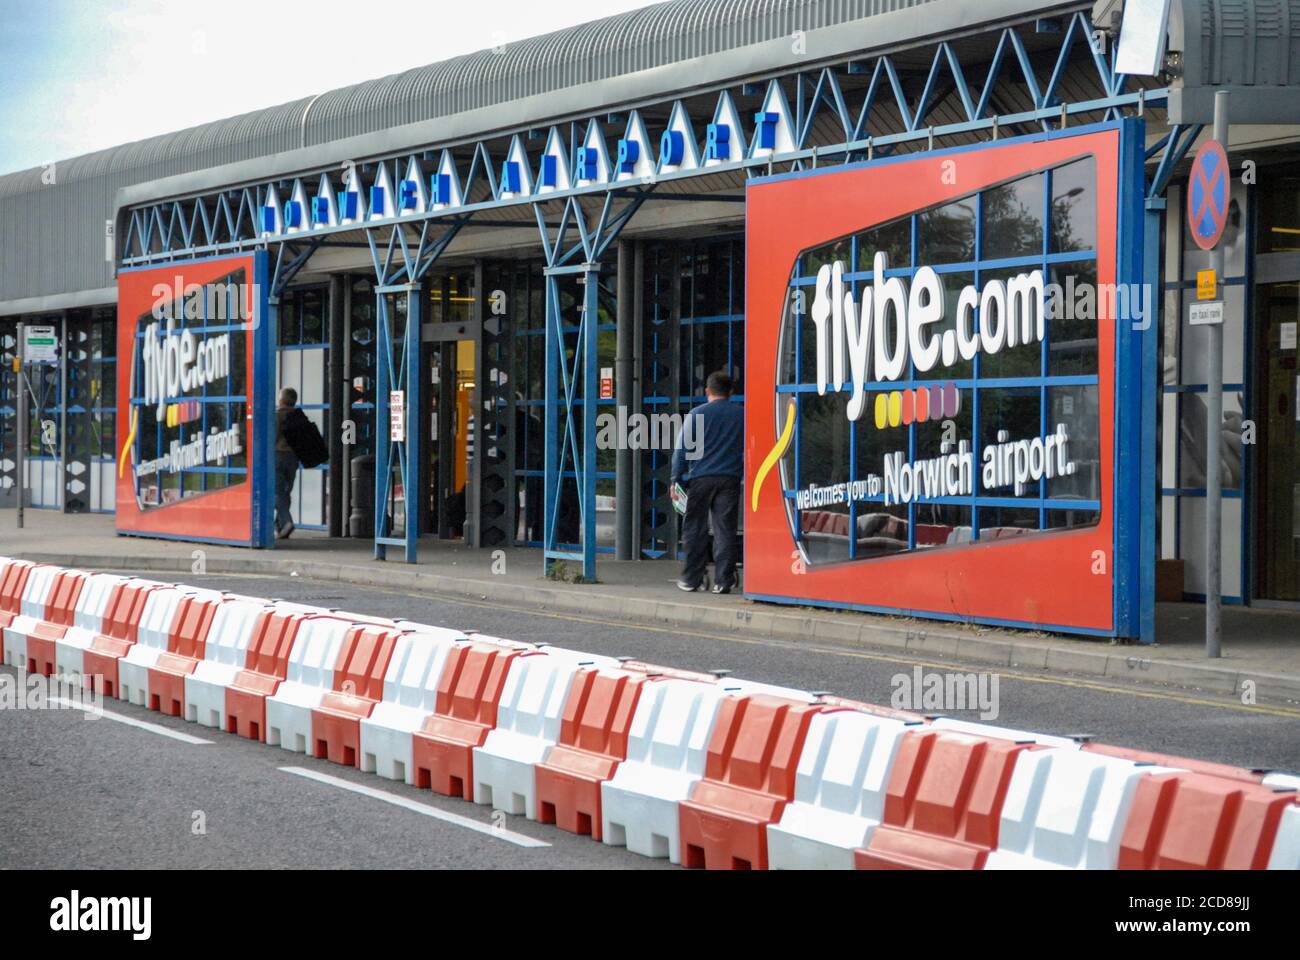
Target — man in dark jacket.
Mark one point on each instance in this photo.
(710, 451)
(297, 443)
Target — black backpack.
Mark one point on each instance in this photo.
(305, 440)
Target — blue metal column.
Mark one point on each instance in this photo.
(562, 382)
(398, 369)
(1152, 274)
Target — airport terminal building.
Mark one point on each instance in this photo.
(944, 247)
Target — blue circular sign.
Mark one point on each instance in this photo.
(1207, 195)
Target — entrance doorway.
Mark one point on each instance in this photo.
(1277, 514)
(452, 470)
(453, 361)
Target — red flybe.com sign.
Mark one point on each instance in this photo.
(931, 383)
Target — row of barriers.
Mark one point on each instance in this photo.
(703, 769)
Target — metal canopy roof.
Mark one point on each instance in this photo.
(52, 237)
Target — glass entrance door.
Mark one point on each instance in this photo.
(1278, 504)
(451, 425)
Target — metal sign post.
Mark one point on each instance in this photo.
(1214, 417)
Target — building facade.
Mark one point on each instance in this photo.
(498, 283)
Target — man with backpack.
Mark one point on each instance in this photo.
(297, 443)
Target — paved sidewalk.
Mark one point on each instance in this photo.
(1261, 646)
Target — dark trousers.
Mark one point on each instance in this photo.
(286, 474)
(718, 497)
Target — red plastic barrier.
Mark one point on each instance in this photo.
(1193, 821)
(117, 634)
(1182, 763)
(944, 803)
(749, 777)
(667, 673)
(185, 648)
(843, 703)
(60, 609)
(469, 691)
(593, 741)
(358, 685)
(12, 584)
(265, 666)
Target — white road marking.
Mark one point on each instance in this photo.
(424, 809)
(131, 721)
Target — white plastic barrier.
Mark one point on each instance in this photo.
(839, 794)
(87, 621)
(1004, 733)
(224, 653)
(1066, 809)
(528, 724)
(410, 695)
(1286, 847)
(309, 677)
(156, 621)
(36, 593)
(668, 742)
(1282, 781)
(750, 688)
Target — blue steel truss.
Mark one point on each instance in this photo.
(411, 206)
(574, 158)
(574, 381)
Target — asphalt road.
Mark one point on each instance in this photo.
(84, 792)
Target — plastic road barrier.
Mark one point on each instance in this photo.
(1181, 763)
(711, 771)
(13, 582)
(667, 744)
(60, 609)
(309, 676)
(944, 802)
(118, 635)
(93, 604)
(186, 649)
(839, 794)
(265, 668)
(358, 684)
(1066, 809)
(410, 695)
(593, 741)
(1286, 848)
(1193, 821)
(748, 779)
(31, 611)
(155, 637)
(234, 624)
(1004, 733)
(528, 724)
(466, 698)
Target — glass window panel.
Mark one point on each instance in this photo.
(1072, 320)
(1078, 408)
(1017, 411)
(1074, 206)
(1013, 219)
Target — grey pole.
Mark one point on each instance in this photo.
(21, 459)
(1214, 440)
(335, 396)
(623, 505)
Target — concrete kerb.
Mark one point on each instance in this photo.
(787, 624)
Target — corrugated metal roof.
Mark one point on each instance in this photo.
(52, 236)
